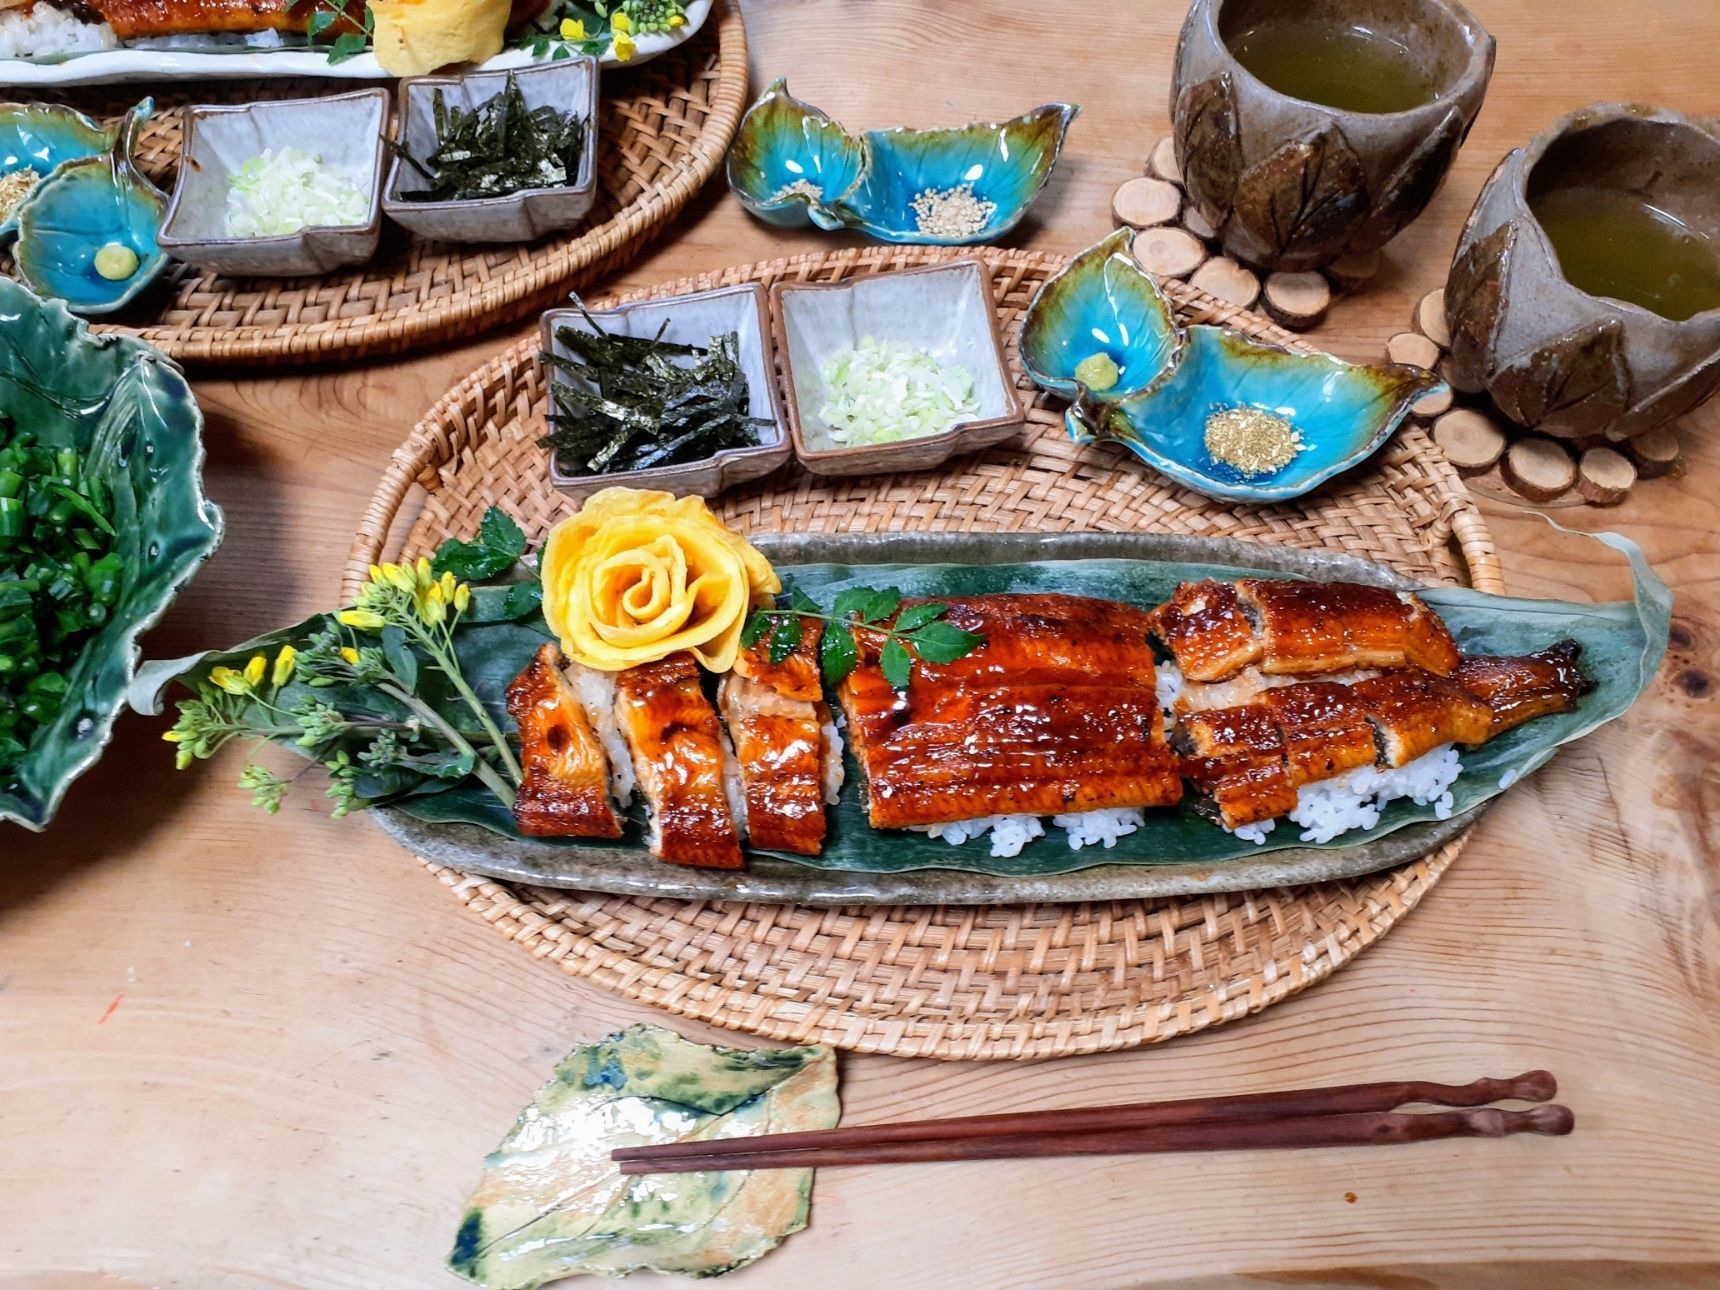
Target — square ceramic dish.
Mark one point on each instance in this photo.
(570, 85)
(947, 310)
(692, 320)
(344, 130)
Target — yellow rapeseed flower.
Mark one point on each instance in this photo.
(423, 572)
(365, 620)
(348, 653)
(621, 22)
(255, 670)
(462, 597)
(624, 46)
(172, 736)
(229, 679)
(572, 29)
(284, 664)
(433, 608)
(404, 579)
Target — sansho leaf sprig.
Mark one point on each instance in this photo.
(920, 632)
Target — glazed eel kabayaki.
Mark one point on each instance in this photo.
(1055, 712)
(139, 19)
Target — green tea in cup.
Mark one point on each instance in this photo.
(1345, 65)
(1621, 245)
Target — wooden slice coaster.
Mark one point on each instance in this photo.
(1351, 272)
(1413, 348)
(1655, 453)
(1169, 252)
(1470, 440)
(1142, 203)
(1432, 405)
(1198, 224)
(1296, 300)
(1162, 164)
(1223, 277)
(1430, 318)
(1539, 468)
(1604, 476)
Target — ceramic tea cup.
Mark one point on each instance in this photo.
(1550, 354)
(1293, 182)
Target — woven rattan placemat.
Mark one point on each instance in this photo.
(663, 129)
(949, 982)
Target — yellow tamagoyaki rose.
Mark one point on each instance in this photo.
(636, 576)
(413, 37)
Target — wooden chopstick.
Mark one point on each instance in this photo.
(1531, 1086)
(1362, 1128)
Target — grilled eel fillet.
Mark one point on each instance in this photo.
(676, 741)
(565, 792)
(137, 19)
(775, 714)
(1054, 713)
(1250, 760)
(1215, 629)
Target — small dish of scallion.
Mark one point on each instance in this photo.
(495, 156)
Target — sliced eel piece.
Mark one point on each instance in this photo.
(1207, 629)
(775, 716)
(677, 745)
(1055, 712)
(1414, 712)
(134, 19)
(1236, 758)
(565, 790)
(1326, 729)
(1529, 686)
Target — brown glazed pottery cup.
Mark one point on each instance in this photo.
(1554, 357)
(1292, 184)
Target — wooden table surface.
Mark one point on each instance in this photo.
(244, 1052)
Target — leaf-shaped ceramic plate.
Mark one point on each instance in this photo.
(82, 207)
(1344, 413)
(1102, 303)
(784, 152)
(552, 1204)
(129, 408)
(1176, 853)
(1006, 163)
(41, 136)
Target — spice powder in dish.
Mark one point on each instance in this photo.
(1252, 441)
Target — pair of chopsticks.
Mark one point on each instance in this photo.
(1337, 1116)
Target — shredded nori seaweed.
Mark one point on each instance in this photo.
(499, 147)
(632, 402)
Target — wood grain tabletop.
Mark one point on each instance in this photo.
(243, 1052)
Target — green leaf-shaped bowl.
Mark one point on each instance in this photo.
(129, 408)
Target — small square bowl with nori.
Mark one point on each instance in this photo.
(691, 320)
(343, 130)
(569, 86)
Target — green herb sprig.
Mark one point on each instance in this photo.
(60, 578)
(377, 694)
(918, 633)
(346, 44)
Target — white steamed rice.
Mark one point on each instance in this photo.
(42, 31)
(1354, 800)
(834, 770)
(1011, 833)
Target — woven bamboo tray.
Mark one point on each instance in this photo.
(663, 130)
(941, 981)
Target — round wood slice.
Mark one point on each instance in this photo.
(1169, 252)
(1472, 441)
(1604, 476)
(1654, 453)
(1430, 318)
(1538, 468)
(1162, 164)
(1297, 300)
(1223, 277)
(1349, 272)
(1434, 404)
(1198, 224)
(1413, 348)
(1142, 203)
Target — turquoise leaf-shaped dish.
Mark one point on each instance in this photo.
(83, 206)
(125, 405)
(789, 157)
(1344, 413)
(1103, 303)
(1005, 163)
(41, 137)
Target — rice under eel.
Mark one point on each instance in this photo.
(565, 790)
(1054, 714)
(1214, 630)
(775, 715)
(676, 741)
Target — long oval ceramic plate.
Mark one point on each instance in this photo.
(139, 65)
(626, 869)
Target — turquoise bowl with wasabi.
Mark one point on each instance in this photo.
(278, 149)
(40, 137)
